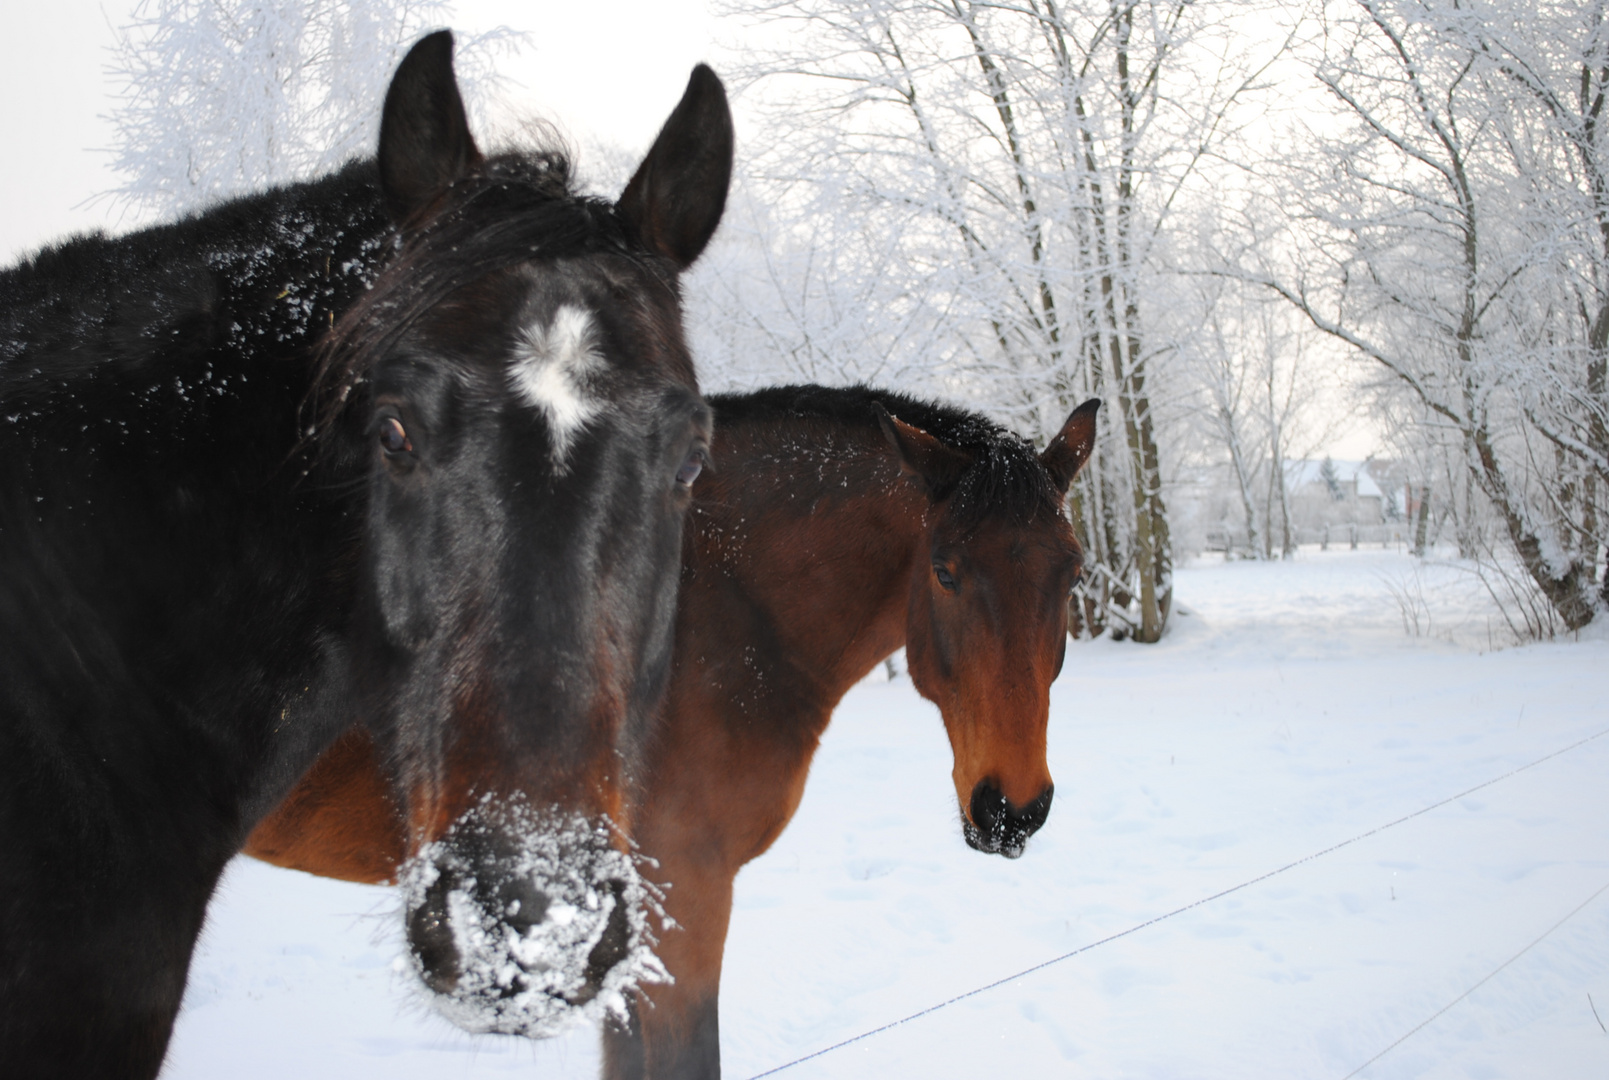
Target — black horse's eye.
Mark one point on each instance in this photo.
(691, 467)
(945, 578)
(393, 439)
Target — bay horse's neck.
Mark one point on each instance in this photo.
(812, 546)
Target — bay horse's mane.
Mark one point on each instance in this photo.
(514, 207)
(1005, 478)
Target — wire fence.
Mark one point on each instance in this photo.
(1387, 536)
(985, 988)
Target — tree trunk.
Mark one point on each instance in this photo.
(1152, 545)
(1566, 587)
(1237, 460)
(1421, 521)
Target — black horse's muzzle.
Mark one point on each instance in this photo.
(999, 828)
(516, 909)
(524, 932)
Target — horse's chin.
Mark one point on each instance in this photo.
(992, 845)
(994, 825)
(529, 930)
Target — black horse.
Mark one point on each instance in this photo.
(409, 446)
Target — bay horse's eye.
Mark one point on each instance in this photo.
(1078, 579)
(945, 578)
(393, 439)
(691, 467)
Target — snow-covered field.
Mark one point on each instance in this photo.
(1288, 713)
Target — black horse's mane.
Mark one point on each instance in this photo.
(1005, 477)
(310, 268)
(260, 272)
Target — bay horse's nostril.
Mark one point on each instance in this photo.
(1035, 813)
(994, 825)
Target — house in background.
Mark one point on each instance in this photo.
(1330, 501)
(1328, 493)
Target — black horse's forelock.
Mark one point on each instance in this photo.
(1006, 478)
(515, 208)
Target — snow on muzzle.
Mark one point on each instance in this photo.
(525, 922)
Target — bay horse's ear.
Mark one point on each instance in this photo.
(675, 200)
(939, 464)
(425, 143)
(1071, 447)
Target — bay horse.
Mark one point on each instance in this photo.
(410, 445)
(838, 525)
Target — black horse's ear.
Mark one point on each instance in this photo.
(1071, 447)
(939, 464)
(675, 200)
(425, 143)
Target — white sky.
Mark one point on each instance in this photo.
(610, 72)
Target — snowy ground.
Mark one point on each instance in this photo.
(1289, 712)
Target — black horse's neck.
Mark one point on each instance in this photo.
(154, 515)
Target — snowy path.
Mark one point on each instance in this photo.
(1289, 713)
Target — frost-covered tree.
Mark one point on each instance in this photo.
(1331, 478)
(219, 97)
(1452, 227)
(976, 198)
(1262, 396)
(1228, 387)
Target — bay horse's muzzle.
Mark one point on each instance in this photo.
(995, 826)
(523, 931)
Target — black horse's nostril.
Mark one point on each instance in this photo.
(520, 904)
(998, 827)
(430, 935)
(612, 946)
